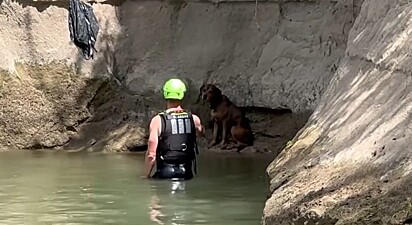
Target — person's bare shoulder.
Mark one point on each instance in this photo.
(196, 119)
(155, 124)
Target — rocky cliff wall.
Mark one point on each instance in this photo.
(351, 163)
(276, 54)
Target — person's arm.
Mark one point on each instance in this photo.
(200, 130)
(152, 145)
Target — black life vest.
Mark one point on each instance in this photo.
(177, 141)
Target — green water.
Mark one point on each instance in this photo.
(61, 188)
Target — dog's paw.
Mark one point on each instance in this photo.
(223, 143)
(226, 147)
(212, 144)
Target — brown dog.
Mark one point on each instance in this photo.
(227, 117)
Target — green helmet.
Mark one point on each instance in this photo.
(174, 89)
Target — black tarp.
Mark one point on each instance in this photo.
(83, 27)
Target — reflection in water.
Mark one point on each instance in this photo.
(55, 188)
(177, 186)
(155, 210)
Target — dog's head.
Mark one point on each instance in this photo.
(209, 93)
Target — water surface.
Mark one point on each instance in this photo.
(77, 188)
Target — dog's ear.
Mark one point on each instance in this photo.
(217, 91)
(201, 88)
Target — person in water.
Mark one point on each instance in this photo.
(172, 137)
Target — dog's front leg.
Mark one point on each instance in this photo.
(215, 131)
(224, 133)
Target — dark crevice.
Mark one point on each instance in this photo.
(71, 128)
(265, 110)
(266, 135)
(138, 148)
(38, 146)
(101, 87)
(84, 120)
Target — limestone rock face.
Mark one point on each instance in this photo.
(278, 54)
(45, 86)
(351, 163)
(41, 106)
